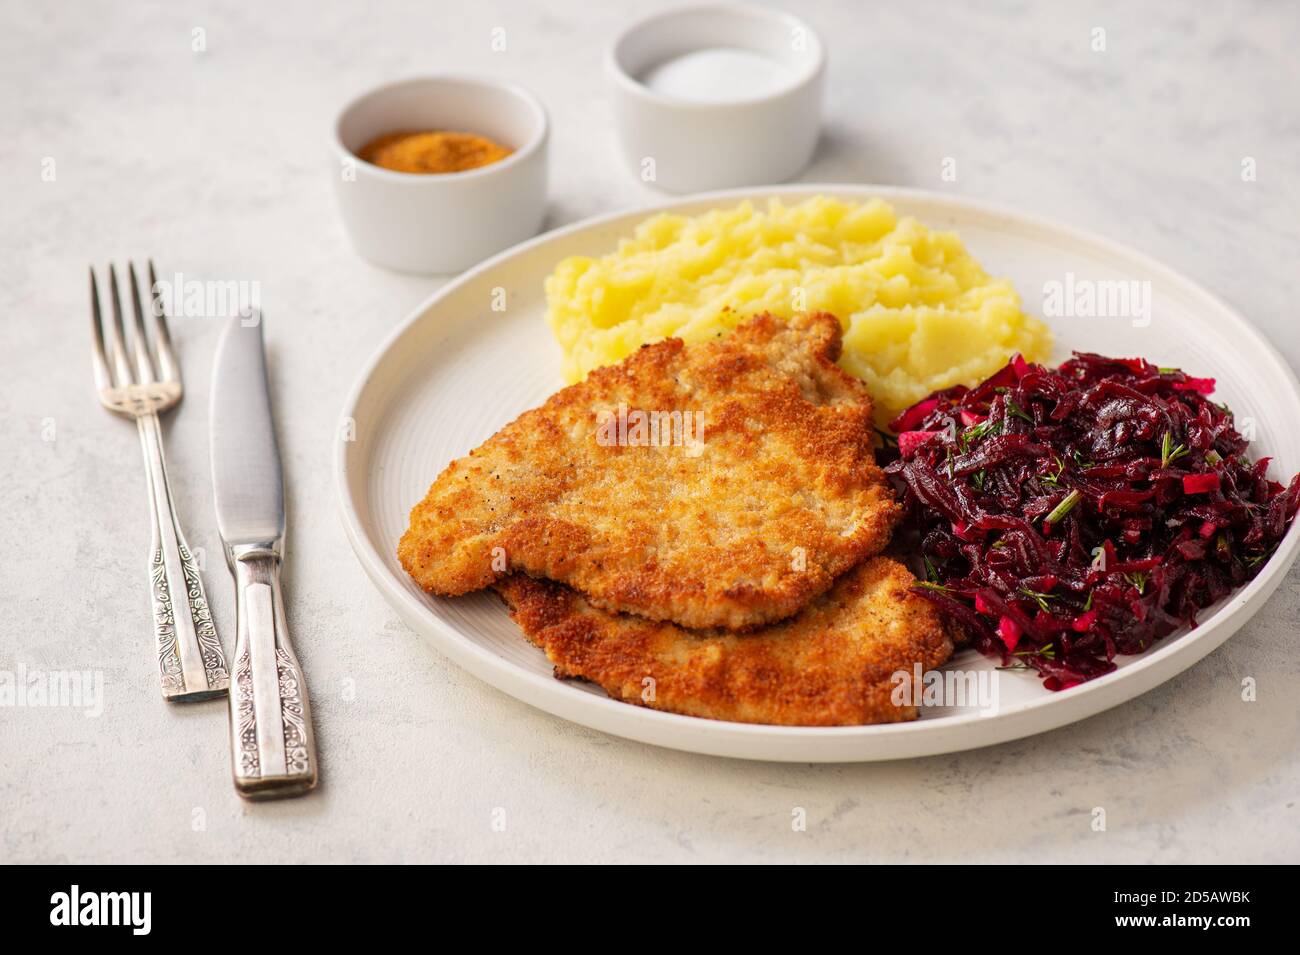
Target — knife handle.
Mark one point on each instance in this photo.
(273, 751)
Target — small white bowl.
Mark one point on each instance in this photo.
(442, 222)
(700, 145)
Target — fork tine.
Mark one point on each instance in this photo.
(118, 334)
(103, 378)
(168, 367)
(139, 338)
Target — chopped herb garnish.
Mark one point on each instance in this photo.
(1018, 411)
(1253, 562)
(1055, 479)
(1065, 507)
(1039, 598)
(984, 428)
(931, 585)
(1170, 452)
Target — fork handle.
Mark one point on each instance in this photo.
(273, 748)
(190, 662)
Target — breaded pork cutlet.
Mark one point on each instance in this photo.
(831, 665)
(737, 519)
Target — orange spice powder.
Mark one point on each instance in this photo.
(432, 151)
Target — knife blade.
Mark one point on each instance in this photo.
(246, 478)
(273, 750)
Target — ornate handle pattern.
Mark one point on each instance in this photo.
(272, 745)
(190, 661)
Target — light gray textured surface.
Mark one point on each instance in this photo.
(215, 163)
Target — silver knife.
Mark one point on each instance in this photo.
(273, 752)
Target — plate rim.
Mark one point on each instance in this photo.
(746, 740)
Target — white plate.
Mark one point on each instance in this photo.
(456, 371)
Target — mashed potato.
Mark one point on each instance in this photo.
(918, 312)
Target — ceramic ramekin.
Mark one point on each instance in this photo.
(431, 224)
(686, 146)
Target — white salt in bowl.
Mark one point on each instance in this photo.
(694, 109)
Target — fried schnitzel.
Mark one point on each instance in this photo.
(829, 666)
(738, 529)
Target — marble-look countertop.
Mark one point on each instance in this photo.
(214, 162)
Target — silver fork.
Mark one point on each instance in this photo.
(190, 660)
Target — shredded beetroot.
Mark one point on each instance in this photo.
(1065, 516)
